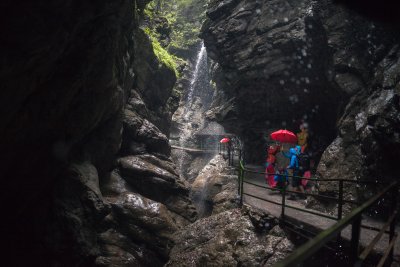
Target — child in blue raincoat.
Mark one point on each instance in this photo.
(281, 178)
(294, 166)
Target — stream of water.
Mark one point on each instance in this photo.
(193, 123)
(198, 98)
(200, 92)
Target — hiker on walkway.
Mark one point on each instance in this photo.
(270, 164)
(304, 160)
(281, 178)
(297, 150)
(270, 174)
(272, 151)
(294, 167)
(302, 136)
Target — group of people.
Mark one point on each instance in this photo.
(277, 175)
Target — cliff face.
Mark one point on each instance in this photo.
(283, 62)
(85, 162)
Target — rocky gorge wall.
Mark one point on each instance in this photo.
(85, 160)
(281, 62)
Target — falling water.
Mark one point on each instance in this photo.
(199, 83)
(201, 60)
(198, 100)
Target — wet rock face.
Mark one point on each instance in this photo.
(65, 74)
(215, 188)
(281, 62)
(367, 147)
(154, 83)
(158, 180)
(367, 144)
(230, 239)
(85, 138)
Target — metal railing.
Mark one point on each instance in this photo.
(232, 154)
(229, 152)
(353, 218)
(200, 147)
(340, 199)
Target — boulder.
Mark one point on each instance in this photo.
(229, 239)
(78, 207)
(141, 130)
(215, 188)
(119, 250)
(148, 175)
(145, 221)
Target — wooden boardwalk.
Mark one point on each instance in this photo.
(305, 220)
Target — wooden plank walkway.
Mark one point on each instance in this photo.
(306, 220)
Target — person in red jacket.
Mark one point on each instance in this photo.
(272, 151)
(270, 174)
(270, 165)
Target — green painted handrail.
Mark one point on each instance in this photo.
(309, 248)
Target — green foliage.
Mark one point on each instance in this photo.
(184, 16)
(148, 13)
(164, 57)
(168, 59)
(173, 26)
(189, 16)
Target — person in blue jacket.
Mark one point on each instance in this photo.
(294, 166)
(296, 150)
(294, 162)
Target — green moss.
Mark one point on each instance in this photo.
(164, 57)
(168, 59)
(148, 13)
(185, 17)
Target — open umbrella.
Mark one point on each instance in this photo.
(284, 136)
(224, 140)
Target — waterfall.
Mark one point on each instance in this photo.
(193, 126)
(201, 60)
(198, 84)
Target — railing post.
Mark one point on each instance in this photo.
(239, 177)
(229, 155)
(393, 209)
(283, 200)
(241, 185)
(340, 209)
(355, 240)
(233, 156)
(340, 204)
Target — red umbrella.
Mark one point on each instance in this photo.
(284, 136)
(225, 140)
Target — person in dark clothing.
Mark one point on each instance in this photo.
(304, 163)
(281, 178)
